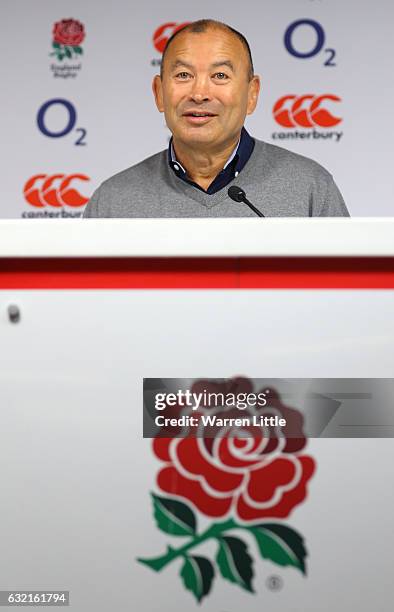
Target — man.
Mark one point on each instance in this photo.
(206, 88)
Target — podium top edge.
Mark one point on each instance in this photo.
(249, 237)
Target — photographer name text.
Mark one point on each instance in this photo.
(212, 420)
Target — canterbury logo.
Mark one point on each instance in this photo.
(54, 190)
(164, 33)
(305, 111)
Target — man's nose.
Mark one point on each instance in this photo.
(200, 90)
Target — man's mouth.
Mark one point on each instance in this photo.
(198, 114)
(198, 117)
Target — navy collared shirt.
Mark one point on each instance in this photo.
(231, 170)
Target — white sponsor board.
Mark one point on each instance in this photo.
(325, 67)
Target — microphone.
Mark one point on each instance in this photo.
(238, 195)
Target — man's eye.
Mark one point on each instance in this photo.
(221, 76)
(182, 75)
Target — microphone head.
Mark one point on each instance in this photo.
(236, 193)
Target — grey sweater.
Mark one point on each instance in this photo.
(278, 182)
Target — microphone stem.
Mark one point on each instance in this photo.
(255, 210)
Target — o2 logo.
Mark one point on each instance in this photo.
(318, 46)
(69, 125)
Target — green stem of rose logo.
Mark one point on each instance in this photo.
(63, 51)
(275, 542)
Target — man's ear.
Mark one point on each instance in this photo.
(157, 88)
(253, 95)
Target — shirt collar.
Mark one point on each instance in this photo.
(174, 160)
(235, 163)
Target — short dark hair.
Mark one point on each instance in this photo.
(202, 25)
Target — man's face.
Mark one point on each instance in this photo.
(206, 73)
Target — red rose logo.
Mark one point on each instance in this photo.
(247, 478)
(240, 479)
(68, 34)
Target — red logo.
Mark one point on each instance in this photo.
(221, 475)
(68, 32)
(241, 483)
(164, 32)
(67, 36)
(54, 190)
(305, 111)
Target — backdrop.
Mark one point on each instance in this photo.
(78, 107)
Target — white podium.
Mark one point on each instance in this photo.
(96, 306)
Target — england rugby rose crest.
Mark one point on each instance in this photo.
(68, 34)
(242, 481)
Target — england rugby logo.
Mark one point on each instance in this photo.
(221, 487)
(68, 34)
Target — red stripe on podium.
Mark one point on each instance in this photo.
(317, 273)
(118, 273)
(198, 273)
